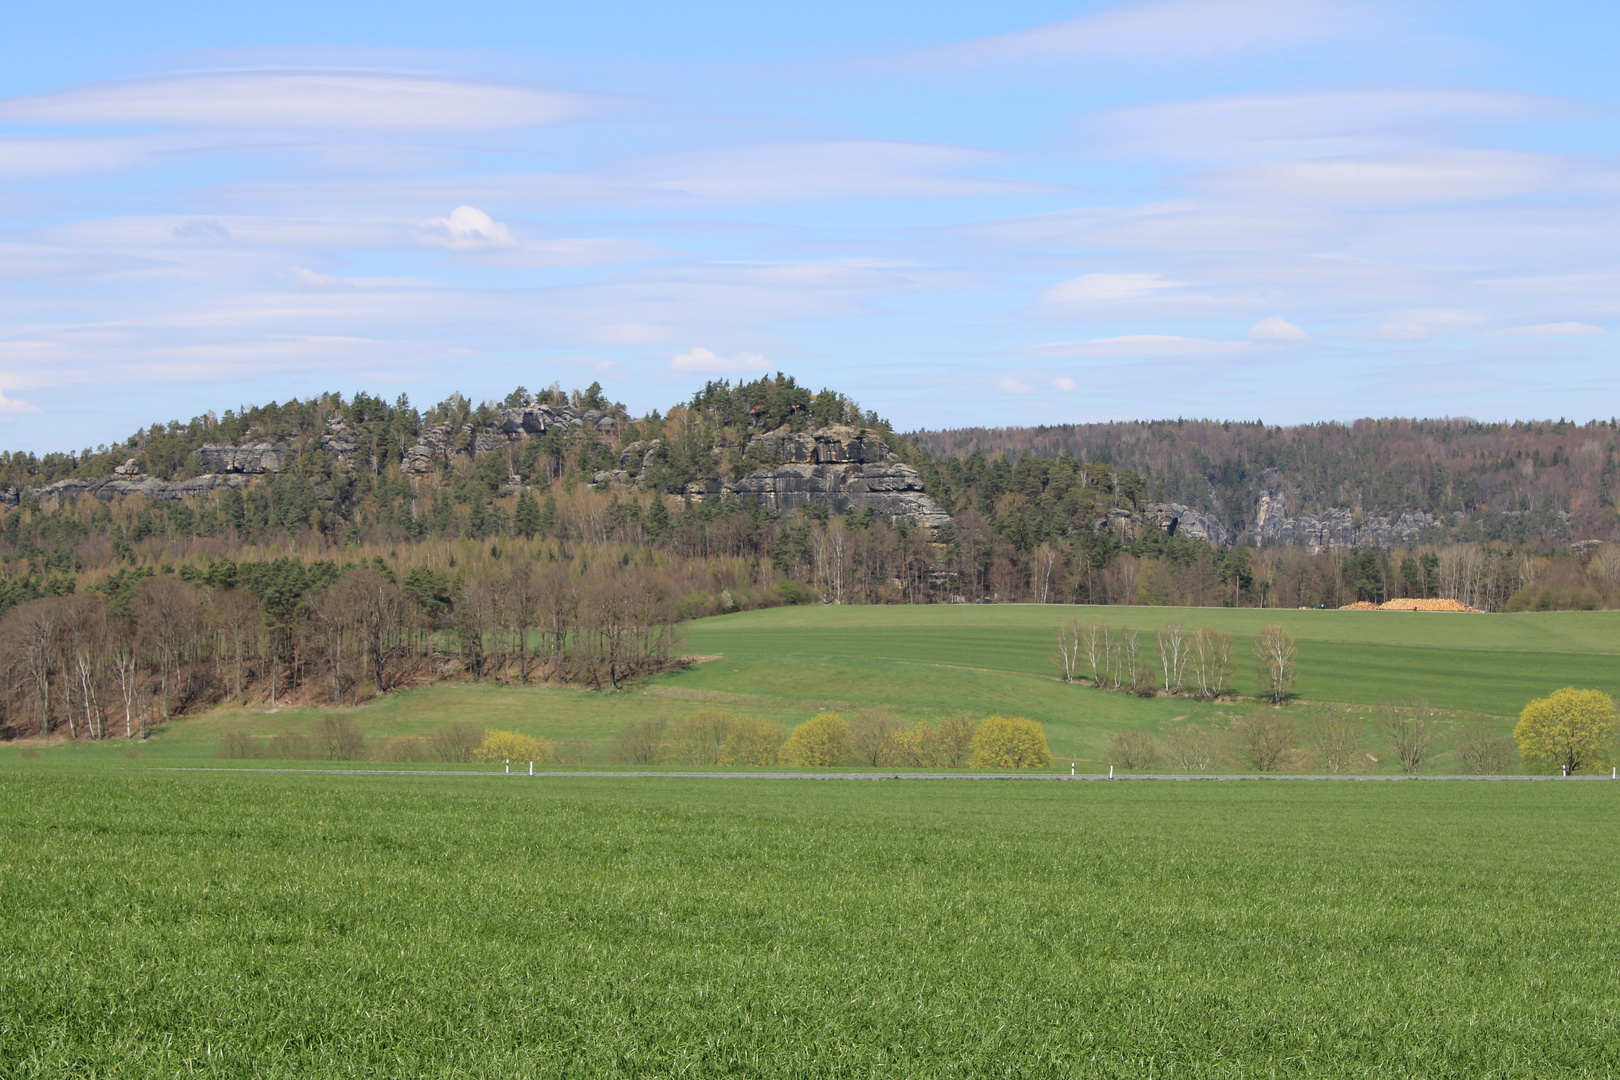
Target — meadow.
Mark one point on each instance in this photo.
(926, 662)
(251, 925)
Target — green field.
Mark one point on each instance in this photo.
(930, 661)
(253, 925)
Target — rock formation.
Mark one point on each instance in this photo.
(255, 458)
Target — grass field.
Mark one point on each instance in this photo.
(250, 925)
(926, 662)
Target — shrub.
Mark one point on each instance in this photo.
(1262, 739)
(956, 734)
(457, 742)
(291, 746)
(820, 741)
(1010, 742)
(753, 742)
(874, 738)
(1133, 750)
(512, 746)
(640, 742)
(1483, 752)
(406, 748)
(1193, 747)
(700, 738)
(1336, 738)
(1554, 598)
(340, 740)
(237, 744)
(919, 745)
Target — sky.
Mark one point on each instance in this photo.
(960, 214)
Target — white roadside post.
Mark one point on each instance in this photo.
(508, 766)
(1110, 772)
(531, 768)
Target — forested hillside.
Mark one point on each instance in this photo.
(1519, 482)
(339, 547)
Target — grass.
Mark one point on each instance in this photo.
(927, 662)
(185, 924)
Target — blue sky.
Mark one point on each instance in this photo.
(980, 214)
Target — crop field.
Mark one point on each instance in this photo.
(233, 924)
(927, 662)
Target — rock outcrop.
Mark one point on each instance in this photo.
(115, 487)
(840, 467)
(1334, 529)
(255, 458)
(439, 445)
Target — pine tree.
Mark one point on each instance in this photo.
(526, 519)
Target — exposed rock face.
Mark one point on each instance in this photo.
(340, 440)
(1178, 520)
(257, 458)
(839, 444)
(888, 488)
(1335, 529)
(109, 488)
(438, 445)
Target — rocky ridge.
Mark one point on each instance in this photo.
(843, 468)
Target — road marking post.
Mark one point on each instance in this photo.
(508, 766)
(531, 768)
(1110, 772)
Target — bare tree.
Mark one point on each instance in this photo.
(1410, 729)
(700, 738)
(640, 742)
(32, 632)
(1274, 662)
(1193, 747)
(1095, 642)
(1070, 644)
(167, 615)
(1262, 739)
(1336, 737)
(1484, 751)
(84, 651)
(956, 739)
(1172, 647)
(1133, 750)
(236, 616)
(872, 737)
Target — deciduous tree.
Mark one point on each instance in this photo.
(1569, 729)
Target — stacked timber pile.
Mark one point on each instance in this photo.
(1409, 604)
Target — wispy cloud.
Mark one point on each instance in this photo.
(1165, 30)
(705, 361)
(304, 100)
(1549, 330)
(1274, 330)
(1138, 345)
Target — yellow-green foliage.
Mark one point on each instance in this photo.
(1569, 729)
(512, 746)
(819, 741)
(1010, 742)
(753, 741)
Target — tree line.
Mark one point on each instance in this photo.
(143, 646)
(874, 738)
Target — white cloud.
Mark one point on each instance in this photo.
(1273, 329)
(467, 227)
(1106, 288)
(1166, 30)
(1013, 386)
(321, 100)
(1388, 179)
(1138, 345)
(201, 229)
(1546, 330)
(812, 171)
(1063, 383)
(1295, 125)
(14, 406)
(1407, 332)
(704, 361)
